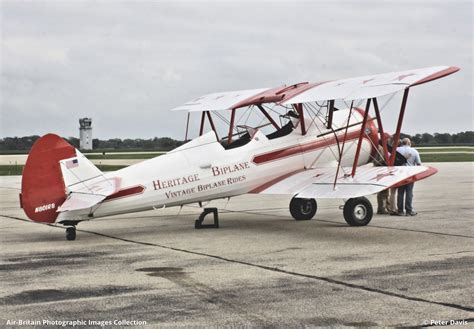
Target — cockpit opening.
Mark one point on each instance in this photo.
(246, 133)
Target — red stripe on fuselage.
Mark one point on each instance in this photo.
(130, 191)
(299, 149)
(311, 146)
(274, 181)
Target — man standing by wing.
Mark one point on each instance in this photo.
(382, 197)
(406, 191)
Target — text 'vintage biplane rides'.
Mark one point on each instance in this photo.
(308, 140)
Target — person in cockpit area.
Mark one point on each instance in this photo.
(294, 117)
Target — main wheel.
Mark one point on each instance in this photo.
(303, 209)
(358, 211)
(71, 233)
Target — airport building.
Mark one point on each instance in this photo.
(85, 134)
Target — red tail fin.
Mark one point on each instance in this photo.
(42, 186)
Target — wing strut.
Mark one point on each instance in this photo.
(187, 128)
(203, 119)
(212, 123)
(231, 127)
(361, 135)
(343, 143)
(396, 138)
(268, 116)
(382, 133)
(201, 129)
(330, 114)
(299, 108)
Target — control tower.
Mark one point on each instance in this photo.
(85, 134)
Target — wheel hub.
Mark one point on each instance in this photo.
(306, 208)
(360, 212)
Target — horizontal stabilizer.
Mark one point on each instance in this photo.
(89, 193)
(76, 201)
(319, 182)
(85, 184)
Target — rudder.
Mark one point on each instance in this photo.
(42, 185)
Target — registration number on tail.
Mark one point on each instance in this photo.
(45, 207)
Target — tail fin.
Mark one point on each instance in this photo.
(42, 185)
(78, 169)
(85, 184)
(54, 169)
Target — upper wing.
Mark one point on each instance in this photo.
(319, 182)
(219, 101)
(370, 86)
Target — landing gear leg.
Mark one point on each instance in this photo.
(198, 223)
(71, 233)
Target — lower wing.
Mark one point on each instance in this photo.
(320, 182)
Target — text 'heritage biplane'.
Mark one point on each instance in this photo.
(308, 140)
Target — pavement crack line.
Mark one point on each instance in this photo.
(406, 230)
(344, 225)
(275, 269)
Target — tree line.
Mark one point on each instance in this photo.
(462, 138)
(153, 144)
(15, 144)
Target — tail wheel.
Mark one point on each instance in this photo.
(303, 209)
(358, 211)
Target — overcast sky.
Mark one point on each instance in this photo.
(126, 64)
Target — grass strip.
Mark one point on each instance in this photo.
(15, 170)
(112, 156)
(445, 149)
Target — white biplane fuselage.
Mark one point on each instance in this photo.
(203, 170)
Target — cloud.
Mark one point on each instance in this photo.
(126, 64)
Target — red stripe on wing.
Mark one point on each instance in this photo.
(437, 75)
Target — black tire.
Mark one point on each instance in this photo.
(358, 211)
(71, 233)
(303, 209)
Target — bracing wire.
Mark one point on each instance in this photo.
(317, 127)
(250, 112)
(220, 116)
(311, 111)
(243, 113)
(270, 109)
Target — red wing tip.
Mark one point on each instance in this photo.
(454, 68)
(437, 75)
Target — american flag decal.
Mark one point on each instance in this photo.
(72, 163)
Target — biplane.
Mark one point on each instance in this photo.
(307, 140)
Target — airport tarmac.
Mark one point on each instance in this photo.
(259, 269)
